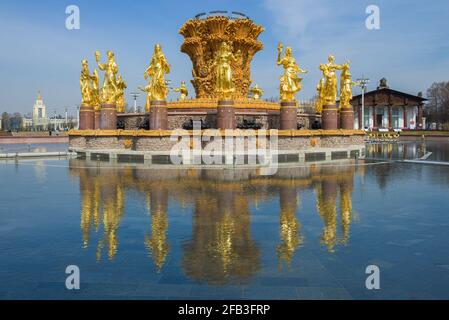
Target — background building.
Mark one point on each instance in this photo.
(40, 121)
(389, 109)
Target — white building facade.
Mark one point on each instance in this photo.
(385, 108)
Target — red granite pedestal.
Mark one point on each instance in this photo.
(158, 115)
(288, 115)
(86, 118)
(347, 118)
(108, 117)
(226, 115)
(329, 117)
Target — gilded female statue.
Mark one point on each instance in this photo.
(110, 83)
(290, 81)
(85, 84)
(158, 68)
(320, 96)
(224, 85)
(330, 86)
(96, 99)
(346, 84)
(120, 94)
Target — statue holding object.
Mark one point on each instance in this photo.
(290, 81)
(183, 92)
(109, 89)
(157, 87)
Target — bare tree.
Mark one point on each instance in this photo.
(438, 106)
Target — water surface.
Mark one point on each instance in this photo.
(307, 232)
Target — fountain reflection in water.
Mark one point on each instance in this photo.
(221, 248)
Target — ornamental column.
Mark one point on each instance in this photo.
(420, 117)
(288, 115)
(158, 115)
(226, 114)
(390, 118)
(405, 122)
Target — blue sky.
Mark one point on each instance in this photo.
(411, 49)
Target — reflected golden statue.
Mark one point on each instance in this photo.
(109, 90)
(113, 209)
(157, 87)
(120, 94)
(346, 84)
(221, 249)
(290, 81)
(330, 84)
(224, 84)
(256, 92)
(346, 206)
(183, 92)
(157, 242)
(290, 228)
(85, 84)
(326, 204)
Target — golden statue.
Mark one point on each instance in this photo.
(320, 96)
(120, 94)
(96, 101)
(85, 84)
(290, 81)
(147, 90)
(158, 68)
(256, 92)
(108, 92)
(346, 84)
(183, 92)
(224, 84)
(330, 84)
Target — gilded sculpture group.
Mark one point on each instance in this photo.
(112, 91)
(327, 86)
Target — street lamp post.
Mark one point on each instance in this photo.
(66, 122)
(77, 117)
(362, 83)
(135, 95)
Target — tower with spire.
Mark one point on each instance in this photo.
(39, 113)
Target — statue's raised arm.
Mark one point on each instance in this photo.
(290, 82)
